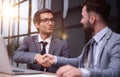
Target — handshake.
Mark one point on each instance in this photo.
(45, 60)
(48, 60)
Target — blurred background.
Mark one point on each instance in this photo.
(16, 22)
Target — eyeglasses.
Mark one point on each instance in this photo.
(46, 20)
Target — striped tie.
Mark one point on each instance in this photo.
(91, 53)
(88, 57)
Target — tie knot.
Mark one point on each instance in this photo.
(92, 42)
(44, 43)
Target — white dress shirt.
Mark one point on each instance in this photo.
(48, 40)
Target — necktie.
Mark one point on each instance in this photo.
(90, 57)
(43, 51)
(91, 53)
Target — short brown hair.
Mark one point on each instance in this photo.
(36, 18)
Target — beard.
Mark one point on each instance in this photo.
(88, 27)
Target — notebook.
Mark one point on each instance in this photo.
(5, 66)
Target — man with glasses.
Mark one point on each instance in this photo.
(33, 48)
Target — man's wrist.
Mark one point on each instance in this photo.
(55, 59)
(36, 57)
(85, 72)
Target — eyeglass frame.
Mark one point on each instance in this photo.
(46, 20)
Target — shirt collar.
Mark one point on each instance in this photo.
(48, 40)
(100, 34)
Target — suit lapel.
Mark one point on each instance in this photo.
(105, 40)
(37, 44)
(53, 46)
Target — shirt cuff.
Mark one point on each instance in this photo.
(85, 72)
(55, 59)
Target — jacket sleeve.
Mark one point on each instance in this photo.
(22, 54)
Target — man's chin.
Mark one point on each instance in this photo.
(50, 32)
(85, 28)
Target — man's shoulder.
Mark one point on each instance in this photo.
(114, 39)
(115, 36)
(30, 37)
(112, 35)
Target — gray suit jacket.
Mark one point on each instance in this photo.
(30, 46)
(108, 63)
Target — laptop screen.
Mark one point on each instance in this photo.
(5, 65)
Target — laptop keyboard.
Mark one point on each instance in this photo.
(17, 71)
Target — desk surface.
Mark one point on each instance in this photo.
(29, 73)
(46, 74)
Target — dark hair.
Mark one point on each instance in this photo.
(100, 7)
(36, 18)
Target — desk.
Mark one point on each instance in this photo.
(46, 74)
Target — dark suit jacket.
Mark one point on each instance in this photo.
(30, 46)
(108, 63)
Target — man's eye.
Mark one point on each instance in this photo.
(47, 20)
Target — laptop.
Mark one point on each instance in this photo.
(5, 66)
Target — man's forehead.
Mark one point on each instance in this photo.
(46, 15)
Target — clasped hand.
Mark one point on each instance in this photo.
(45, 60)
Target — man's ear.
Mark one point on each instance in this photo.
(92, 19)
(36, 25)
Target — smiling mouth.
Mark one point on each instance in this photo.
(51, 28)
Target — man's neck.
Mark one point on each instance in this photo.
(44, 36)
(98, 28)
